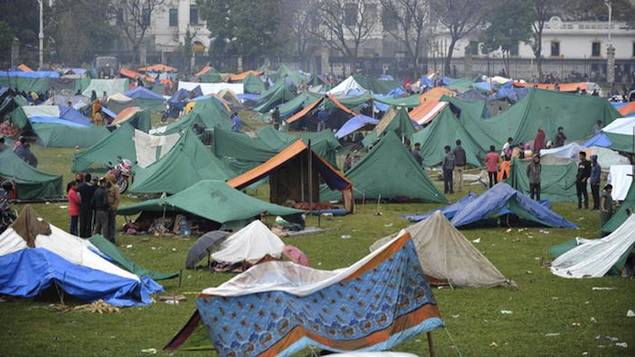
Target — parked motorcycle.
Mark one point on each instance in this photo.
(122, 172)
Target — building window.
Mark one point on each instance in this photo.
(596, 49)
(174, 17)
(193, 15)
(371, 12)
(146, 16)
(513, 51)
(350, 14)
(472, 48)
(389, 20)
(555, 49)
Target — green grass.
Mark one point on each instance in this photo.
(543, 303)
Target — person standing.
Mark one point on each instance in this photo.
(275, 118)
(348, 163)
(597, 128)
(539, 141)
(491, 163)
(73, 206)
(448, 168)
(596, 174)
(113, 205)
(607, 205)
(86, 191)
(581, 178)
(560, 138)
(459, 165)
(416, 153)
(507, 148)
(236, 124)
(534, 170)
(100, 202)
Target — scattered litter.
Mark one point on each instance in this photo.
(172, 299)
(477, 240)
(508, 230)
(522, 229)
(585, 353)
(129, 246)
(98, 306)
(554, 298)
(529, 272)
(594, 320)
(576, 324)
(506, 312)
(493, 344)
(47, 203)
(587, 302)
(388, 225)
(530, 236)
(630, 313)
(581, 219)
(544, 231)
(63, 207)
(345, 236)
(319, 263)
(602, 288)
(536, 258)
(552, 334)
(153, 248)
(150, 351)
(622, 344)
(455, 316)
(327, 214)
(174, 249)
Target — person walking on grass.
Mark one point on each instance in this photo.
(596, 174)
(73, 206)
(581, 179)
(100, 203)
(491, 163)
(606, 211)
(459, 166)
(534, 169)
(113, 205)
(448, 168)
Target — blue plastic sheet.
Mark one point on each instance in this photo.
(355, 123)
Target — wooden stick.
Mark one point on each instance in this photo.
(430, 344)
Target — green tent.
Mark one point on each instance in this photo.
(354, 103)
(149, 105)
(116, 256)
(19, 119)
(460, 85)
(39, 85)
(411, 101)
(212, 76)
(213, 200)
(209, 112)
(472, 108)
(284, 72)
(30, 183)
(64, 136)
(141, 120)
(300, 101)
(240, 151)
(323, 143)
(277, 94)
(118, 143)
(253, 84)
(620, 216)
(187, 163)
(376, 86)
(390, 171)
(397, 122)
(444, 130)
(557, 179)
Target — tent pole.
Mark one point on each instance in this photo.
(310, 176)
(430, 344)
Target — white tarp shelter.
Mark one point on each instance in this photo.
(212, 88)
(347, 85)
(250, 244)
(150, 148)
(110, 86)
(593, 258)
(446, 255)
(621, 177)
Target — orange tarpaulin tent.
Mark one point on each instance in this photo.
(299, 115)
(435, 94)
(286, 169)
(627, 109)
(427, 111)
(158, 68)
(129, 73)
(564, 87)
(238, 77)
(125, 115)
(24, 68)
(203, 71)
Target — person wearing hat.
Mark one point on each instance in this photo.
(606, 211)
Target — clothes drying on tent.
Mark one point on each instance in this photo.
(284, 307)
(594, 258)
(447, 257)
(30, 183)
(34, 255)
(501, 200)
(390, 172)
(621, 178)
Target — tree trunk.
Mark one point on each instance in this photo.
(448, 58)
(415, 71)
(539, 66)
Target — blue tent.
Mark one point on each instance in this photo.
(73, 115)
(502, 199)
(448, 211)
(179, 97)
(600, 139)
(355, 123)
(142, 93)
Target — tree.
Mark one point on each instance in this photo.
(187, 50)
(23, 18)
(541, 12)
(134, 19)
(301, 18)
(509, 25)
(6, 40)
(345, 25)
(411, 17)
(78, 39)
(243, 27)
(460, 17)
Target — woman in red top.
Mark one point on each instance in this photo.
(73, 205)
(491, 163)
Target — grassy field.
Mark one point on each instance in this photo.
(550, 315)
